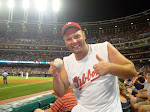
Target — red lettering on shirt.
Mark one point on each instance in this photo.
(84, 81)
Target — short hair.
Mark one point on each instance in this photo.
(121, 80)
(141, 73)
(129, 80)
(141, 79)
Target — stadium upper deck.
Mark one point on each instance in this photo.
(21, 39)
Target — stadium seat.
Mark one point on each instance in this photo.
(127, 108)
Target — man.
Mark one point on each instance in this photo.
(22, 74)
(67, 102)
(5, 74)
(27, 75)
(146, 84)
(92, 70)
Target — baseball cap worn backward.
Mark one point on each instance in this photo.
(68, 25)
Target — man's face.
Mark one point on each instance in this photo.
(75, 40)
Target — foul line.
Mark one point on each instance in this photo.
(24, 84)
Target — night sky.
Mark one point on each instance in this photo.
(99, 10)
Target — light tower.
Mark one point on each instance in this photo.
(10, 6)
(41, 6)
(25, 5)
(56, 7)
(10, 15)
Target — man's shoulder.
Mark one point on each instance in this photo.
(68, 57)
(99, 44)
(4, 73)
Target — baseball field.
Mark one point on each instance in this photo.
(19, 86)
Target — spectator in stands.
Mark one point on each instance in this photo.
(121, 80)
(5, 74)
(140, 95)
(92, 70)
(125, 102)
(146, 84)
(67, 102)
(140, 83)
(128, 82)
(123, 95)
(145, 105)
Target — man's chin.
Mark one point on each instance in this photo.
(77, 52)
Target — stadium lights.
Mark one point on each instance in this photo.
(56, 5)
(25, 4)
(41, 4)
(10, 4)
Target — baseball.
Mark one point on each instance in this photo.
(58, 63)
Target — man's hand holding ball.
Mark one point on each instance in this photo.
(58, 63)
(55, 67)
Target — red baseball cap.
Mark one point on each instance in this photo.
(70, 24)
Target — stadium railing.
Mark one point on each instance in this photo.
(29, 104)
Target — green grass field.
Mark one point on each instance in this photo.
(16, 89)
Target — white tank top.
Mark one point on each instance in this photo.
(98, 94)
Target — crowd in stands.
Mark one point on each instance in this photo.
(48, 38)
(15, 37)
(33, 71)
(22, 56)
(142, 67)
(39, 57)
(35, 48)
(125, 36)
(135, 92)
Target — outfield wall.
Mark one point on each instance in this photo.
(29, 104)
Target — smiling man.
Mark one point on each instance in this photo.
(92, 70)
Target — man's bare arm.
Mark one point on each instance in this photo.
(120, 65)
(60, 79)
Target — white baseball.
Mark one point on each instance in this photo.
(58, 63)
